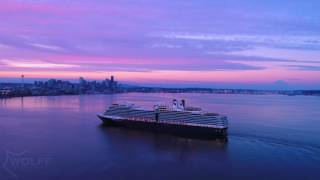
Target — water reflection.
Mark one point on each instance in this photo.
(161, 142)
(22, 102)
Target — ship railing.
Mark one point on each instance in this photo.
(143, 119)
(223, 124)
(198, 125)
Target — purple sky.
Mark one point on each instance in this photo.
(206, 43)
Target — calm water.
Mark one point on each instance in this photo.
(270, 137)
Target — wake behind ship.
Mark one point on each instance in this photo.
(178, 119)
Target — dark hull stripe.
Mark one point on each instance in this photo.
(190, 131)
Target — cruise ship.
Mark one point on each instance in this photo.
(177, 119)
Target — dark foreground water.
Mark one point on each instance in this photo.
(270, 137)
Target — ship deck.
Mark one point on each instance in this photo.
(150, 120)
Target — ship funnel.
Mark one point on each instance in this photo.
(174, 104)
(182, 104)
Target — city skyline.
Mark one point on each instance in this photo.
(258, 45)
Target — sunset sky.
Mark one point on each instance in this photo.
(272, 44)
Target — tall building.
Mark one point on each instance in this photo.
(82, 81)
(82, 85)
(112, 79)
(112, 84)
(51, 83)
